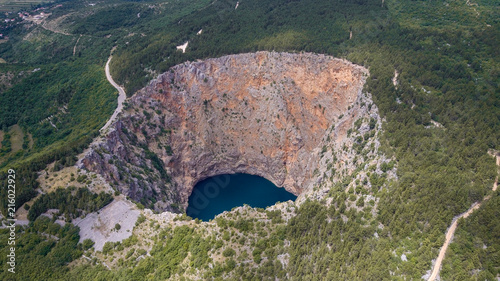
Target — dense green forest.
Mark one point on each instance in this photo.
(42, 250)
(447, 57)
(476, 246)
(71, 202)
(62, 106)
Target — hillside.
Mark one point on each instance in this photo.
(376, 198)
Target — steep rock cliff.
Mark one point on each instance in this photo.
(265, 113)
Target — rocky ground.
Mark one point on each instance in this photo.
(266, 113)
(101, 226)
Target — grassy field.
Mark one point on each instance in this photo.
(16, 138)
(16, 5)
(16, 141)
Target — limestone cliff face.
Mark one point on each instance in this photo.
(268, 114)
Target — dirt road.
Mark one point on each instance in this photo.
(453, 227)
(74, 48)
(121, 97)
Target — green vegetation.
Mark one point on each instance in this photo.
(43, 250)
(446, 55)
(171, 248)
(50, 103)
(475, 251)
(62, 107)
(71, 202)
(6, 144)
(16, 5)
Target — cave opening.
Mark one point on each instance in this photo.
(214, 195)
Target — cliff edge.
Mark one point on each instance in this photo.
(266, 113)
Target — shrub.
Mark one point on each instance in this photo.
(228, 252)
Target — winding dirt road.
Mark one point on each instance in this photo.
(453, 227)
(74, 48)
(121, 97)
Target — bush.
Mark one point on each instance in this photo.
(87, 244)
(140, 220)
(228, 252)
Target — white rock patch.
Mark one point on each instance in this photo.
(183, 47)
(100, 226)
(395, 79)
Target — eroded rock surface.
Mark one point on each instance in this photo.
(268, 114)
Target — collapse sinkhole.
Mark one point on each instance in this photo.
(295, 119)
(220, 193)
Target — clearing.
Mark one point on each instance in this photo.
(183, 47)
(16, 138)
(100, 226)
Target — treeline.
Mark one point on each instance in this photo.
(43, 250)
(71, 202)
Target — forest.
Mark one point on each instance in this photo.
(447, 57)
(62, 107)
(43, 250)
(71, 203)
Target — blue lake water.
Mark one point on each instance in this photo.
(215, 195)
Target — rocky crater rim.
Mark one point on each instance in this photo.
(268, 114)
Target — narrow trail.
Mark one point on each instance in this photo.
(121, 97)
(74, 48)
(453, 227)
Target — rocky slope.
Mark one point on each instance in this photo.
(271, 114)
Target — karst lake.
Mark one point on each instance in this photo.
(215, 195)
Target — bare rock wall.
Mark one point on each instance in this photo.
(266, 113)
